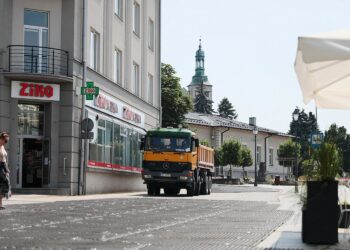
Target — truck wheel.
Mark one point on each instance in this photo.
(156, 190)
(192, 189)
(198, 186)
(210, 183)
(204, 187)
(150, 189)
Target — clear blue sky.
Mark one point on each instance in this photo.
(250, 48)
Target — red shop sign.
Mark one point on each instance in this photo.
(32, 90)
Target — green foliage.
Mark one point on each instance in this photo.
(287, 151)
(246, 157)
(202, 104)
(175, 102)
(218, 157)
(231, 153)
(309, 169)
(204, 142)
(226, 110)
(339, 136)
(328, 160)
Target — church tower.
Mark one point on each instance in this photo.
(200, 78)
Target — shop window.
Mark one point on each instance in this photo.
(115, 144)
(30, 119)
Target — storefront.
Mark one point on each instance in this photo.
(114, 152)
(33, 103)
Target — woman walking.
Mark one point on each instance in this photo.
(4, 171)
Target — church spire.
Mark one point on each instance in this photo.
(199, 76)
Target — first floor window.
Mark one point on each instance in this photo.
(150, 34)
(258, 154)
(136, 17)
(118, 8)
(118, 66)
(150, 88)
(271, 156)
(136, 79)
(94, 50)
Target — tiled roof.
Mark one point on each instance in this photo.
(217, 121)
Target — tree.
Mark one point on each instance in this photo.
(217, 157)
(286, 153)
(339, 137)
(226, 110)
(303, 128)
(231, 154)
(175, 104)
(202, 104)
(246, 158)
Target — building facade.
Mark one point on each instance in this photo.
(216, 130)
(40, 100)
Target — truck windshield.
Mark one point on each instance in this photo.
(170, 144)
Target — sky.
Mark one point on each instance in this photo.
(250, 48)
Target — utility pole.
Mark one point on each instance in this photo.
(81, 190)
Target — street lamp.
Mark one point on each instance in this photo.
(296, 119)
(255, 132)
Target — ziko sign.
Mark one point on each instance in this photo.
(35, 91)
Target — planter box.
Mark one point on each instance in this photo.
(345, 221)
(321, 213)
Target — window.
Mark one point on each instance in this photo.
(118, 66)
(94, 50)
(114, 146)
(150, 34)
(136, 79)
(30, 119)
(136, 15)
(150, 88)
(36, 34)
(258, 154)
(271, 156)
(118, 8)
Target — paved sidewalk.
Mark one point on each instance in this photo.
(288, 236)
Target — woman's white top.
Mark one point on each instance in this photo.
(3, 154)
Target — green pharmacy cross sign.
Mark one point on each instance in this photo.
(90, 91)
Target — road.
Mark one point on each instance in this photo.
(232, 217)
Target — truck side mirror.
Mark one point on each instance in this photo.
(142, 144)
(196, 142)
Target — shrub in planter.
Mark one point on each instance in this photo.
(321, 211)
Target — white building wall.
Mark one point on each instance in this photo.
(245, 137)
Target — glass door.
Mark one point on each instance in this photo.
(32, 163)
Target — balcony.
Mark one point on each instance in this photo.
(34, 61)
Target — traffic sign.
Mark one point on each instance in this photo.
(90, 91)
(316, 139)
(87, 125)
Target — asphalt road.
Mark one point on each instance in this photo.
(142, 222)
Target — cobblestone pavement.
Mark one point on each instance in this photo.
(139, 223)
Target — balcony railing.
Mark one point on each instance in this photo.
(38, 60)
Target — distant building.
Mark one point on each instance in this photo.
(199, 77)
(40, 101)
(216, 130)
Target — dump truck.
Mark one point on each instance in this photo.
(173, 160)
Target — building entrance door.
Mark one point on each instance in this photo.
(32, 163)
